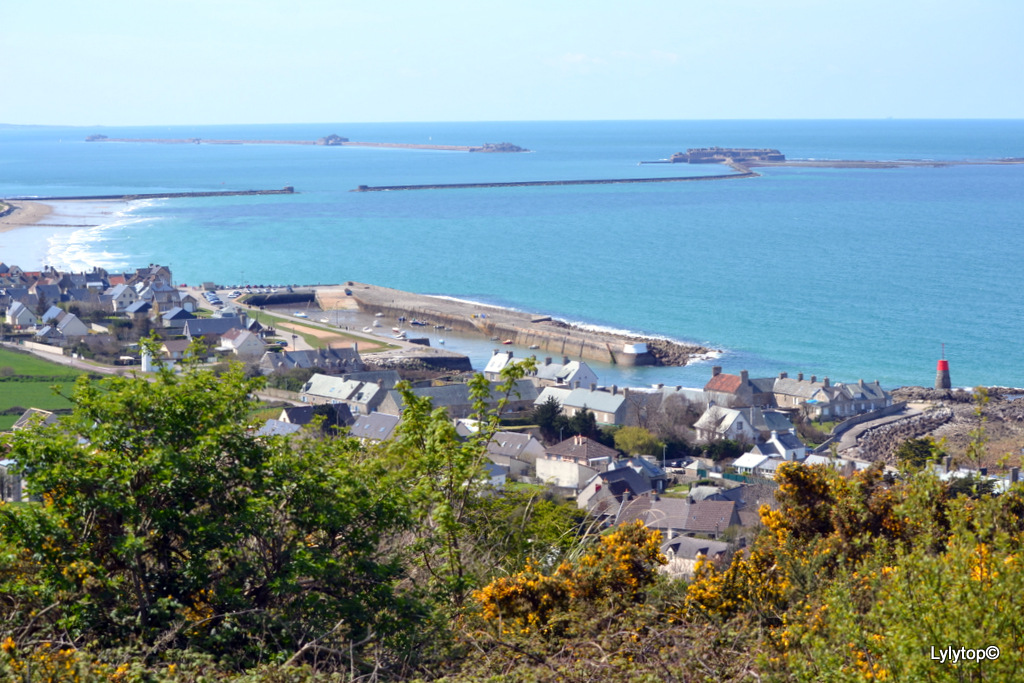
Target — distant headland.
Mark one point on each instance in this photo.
(744, 158)
(326, 141)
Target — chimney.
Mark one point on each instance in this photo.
(814, 378)
(800, 376)
(625, 391)
(565, 360)
(615, 390)
(661, 386)
(1014, 474)
(494, 352)
(716, 370)
(825, 381)
(593, 386)
(783, 375)
(547, 361)
(744, 376)
(355, 346)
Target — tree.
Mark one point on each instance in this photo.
(549, 419)
(165, 525)
(916, 453)
(637, 441)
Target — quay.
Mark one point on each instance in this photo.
(156, 195)
(543, 183)
(524, 330)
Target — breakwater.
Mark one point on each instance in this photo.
(543, 183)
(523, 330)
(156, 195)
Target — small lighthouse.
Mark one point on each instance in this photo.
(942, 372)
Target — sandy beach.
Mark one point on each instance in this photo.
(24, 215)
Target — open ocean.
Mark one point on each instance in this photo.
(850, 273)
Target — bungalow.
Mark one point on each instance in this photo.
(175, 349)
(748, 463)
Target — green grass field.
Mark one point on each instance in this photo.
(16, 391)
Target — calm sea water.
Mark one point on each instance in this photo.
(848, 273)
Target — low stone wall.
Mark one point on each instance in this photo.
(44, 348)
(880, 443)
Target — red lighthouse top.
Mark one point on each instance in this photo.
(943, 366)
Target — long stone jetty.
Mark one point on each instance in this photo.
(542, 183)
(156, 195)
(541, 332)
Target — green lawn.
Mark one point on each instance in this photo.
(31, 393)
(288, 327)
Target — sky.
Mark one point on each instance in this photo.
(167, 62)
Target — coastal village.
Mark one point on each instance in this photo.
(703, 467)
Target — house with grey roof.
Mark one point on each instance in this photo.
(122, 296)
(374, 427)
(719, 422)
(175, 319)
(361, 397)
(333, 360)
(210, 329)
(604, 493)
(278, 428)
(455, 398)
(243, 344)
(781, 445)
(69, 325)
(19, 315)
(608, 407)
(573, 462)
(569, 374)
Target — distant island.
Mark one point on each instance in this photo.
(742, 159)
(332, 140)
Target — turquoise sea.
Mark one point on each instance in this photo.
(850, 273)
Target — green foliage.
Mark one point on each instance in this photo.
(165, 525)
(637, 441)
(916, 453)
(725, 449)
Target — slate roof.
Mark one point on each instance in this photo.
(142, 306)
(510, 444)
(582, 449)
(199, 327)
(601, 401)
(375, 426)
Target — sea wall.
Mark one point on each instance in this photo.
(549, 336)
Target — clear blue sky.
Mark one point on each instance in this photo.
(138, 62)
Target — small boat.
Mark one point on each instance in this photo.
(440, 341)
(396, 330)
(400, 335)
(438, 327)
(324, 320)
(414, 321)
(376, 323)
(401, 318)
(507, 341)
(367, 329)
(379, 315)
(495, 339)
(534, 346)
